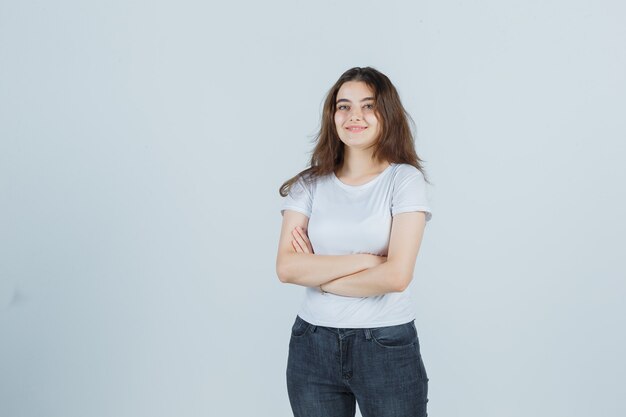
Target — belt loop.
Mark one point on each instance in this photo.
(367, 334)
(313, 328)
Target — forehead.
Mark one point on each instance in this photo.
(354, 90)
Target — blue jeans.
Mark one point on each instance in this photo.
(330, 369)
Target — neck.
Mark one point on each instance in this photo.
(357, 163)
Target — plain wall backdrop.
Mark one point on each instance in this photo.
(142, 144)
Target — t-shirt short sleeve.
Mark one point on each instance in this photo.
(409, 193)
(300, 198)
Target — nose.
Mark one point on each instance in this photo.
(356, 114)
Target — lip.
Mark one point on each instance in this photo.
(356, 129)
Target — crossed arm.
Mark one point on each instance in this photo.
(357, 275)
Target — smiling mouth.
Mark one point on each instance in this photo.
(356, 129)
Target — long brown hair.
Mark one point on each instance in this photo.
(394, 145)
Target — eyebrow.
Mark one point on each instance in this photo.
(346, 100)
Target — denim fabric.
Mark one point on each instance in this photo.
(330, 369)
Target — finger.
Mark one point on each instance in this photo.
(305, 238)
(301, 247)
(302, 233)
(300, 241)
(296, 246)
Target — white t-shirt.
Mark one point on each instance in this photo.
(348, 219)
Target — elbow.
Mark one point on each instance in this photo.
(402, 275)
(282, 272)
(287, 268)
(402, 281)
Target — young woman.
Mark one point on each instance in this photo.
(352, 226)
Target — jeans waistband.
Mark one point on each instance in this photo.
(341, 332)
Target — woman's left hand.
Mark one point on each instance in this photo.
(301, 241)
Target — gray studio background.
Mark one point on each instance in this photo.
(142, 145)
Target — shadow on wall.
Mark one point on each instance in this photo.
(9, 295)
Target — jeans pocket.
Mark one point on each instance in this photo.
(299, 327)
(398, 336)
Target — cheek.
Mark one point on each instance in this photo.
(372, 120)
(339, 119)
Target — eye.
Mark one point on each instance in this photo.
(342, 107)
(369, 106)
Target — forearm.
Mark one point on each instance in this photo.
(382, 279)
(311, 270)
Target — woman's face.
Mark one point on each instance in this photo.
(355, 115)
